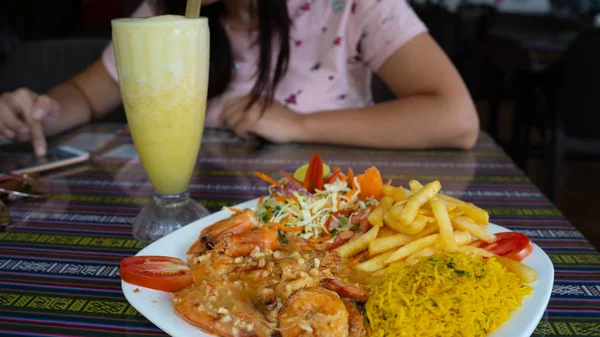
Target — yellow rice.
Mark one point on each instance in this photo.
(448, 294)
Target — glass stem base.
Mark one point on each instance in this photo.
(165, 214)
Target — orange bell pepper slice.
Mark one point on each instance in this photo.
(371, 184)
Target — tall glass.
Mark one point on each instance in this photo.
(162, 64)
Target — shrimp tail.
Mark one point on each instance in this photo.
(345, 290)
(210, 236)
(356, 320)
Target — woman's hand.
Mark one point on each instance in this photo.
(277, 123)
(22, 113)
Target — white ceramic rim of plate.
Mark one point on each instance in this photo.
(522, 323)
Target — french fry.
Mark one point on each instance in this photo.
(376, 216)
(416, 226)
(411, 208)
(415, 186)
(450, 206)
(389, 221)
(387, 202)
(396, 210)
(385, 232)
(414, 258)
(464, 223)
(480, 216)
(475, 251)
(446, 232)
(374, 264)
(462, 239)
(359, 244)
(387, 243)
(525, 273)
(412, 247)
(397, 193)
(425, 212)
(455, 213)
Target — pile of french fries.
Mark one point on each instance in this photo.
(408, 224)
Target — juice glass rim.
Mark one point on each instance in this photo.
(172, 18)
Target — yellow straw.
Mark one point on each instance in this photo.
(192, 9)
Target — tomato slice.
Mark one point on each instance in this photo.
(314, 175)
(512, 245)
(334, 177)
(156, 272)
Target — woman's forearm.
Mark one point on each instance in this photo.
(423, 121)
(91, 94)
(75, 108)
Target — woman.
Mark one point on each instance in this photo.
(290, 71)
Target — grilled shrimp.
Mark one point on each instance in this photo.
(223, 309)
(241, 222)
(243, 244)
(346, 290)
(313, 312)
(356, 321)
(212, 267)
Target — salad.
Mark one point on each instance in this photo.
(331, 210)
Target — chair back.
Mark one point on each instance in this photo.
(575, 87)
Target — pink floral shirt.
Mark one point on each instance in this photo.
(335, 47)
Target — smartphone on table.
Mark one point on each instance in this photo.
(19, 158)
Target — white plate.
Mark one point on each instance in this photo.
(156, 305)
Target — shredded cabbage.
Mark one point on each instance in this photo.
(309, 214)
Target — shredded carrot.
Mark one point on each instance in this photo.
(321, 239)
(234, 210)
(289, 229)
(336, 169)
(351, 179)
(291, 178)
(266, 178)
(284, 198)
(358, 258)
(350, 194)
(389, 182)
(327, 224)
(262, 198)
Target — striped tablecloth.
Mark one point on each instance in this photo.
(59, 258)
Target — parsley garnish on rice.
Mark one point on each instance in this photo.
(449, 294)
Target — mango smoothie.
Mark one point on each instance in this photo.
(162, 64)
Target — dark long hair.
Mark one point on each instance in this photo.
(274, 22)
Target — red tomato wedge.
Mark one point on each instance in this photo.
(512, 245)
(314, 174)
(335, 176)
(156, 272)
